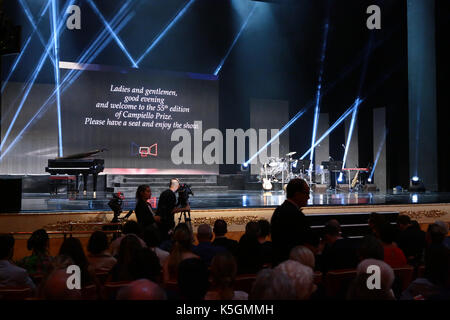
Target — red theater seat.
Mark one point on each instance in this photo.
(244, 282)
(15, 293)
(338, 281)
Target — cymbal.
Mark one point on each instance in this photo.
(291, 153)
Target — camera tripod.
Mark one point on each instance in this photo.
(187, 218)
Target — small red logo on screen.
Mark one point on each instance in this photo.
(144, 152)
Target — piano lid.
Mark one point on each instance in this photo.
(81, 155)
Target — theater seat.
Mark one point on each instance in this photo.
(171, 285)
(102, 276)
(89, 292)
(244, 282)
(337, 282)
(317, 277)
(404, 275)
(15, 293)
(111, 288)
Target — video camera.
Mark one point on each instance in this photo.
(116, 206)
(184, 190)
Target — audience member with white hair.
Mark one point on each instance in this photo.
(359, 289)
(302, 276)
(272, 285)
(303, 255)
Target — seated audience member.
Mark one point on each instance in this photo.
(141, 289)
(220, 240)
(223, 273)
(272, 285)
(266, 245)
(338, 252)
(71, 247)
(301, 276)
(99, 258)
(181, 250)
(444, 229)
(410, 239)
(10, 274)
(55, 287)
(249, 256)
(145, 265)
(393, 255)
(436, 279)
(192, 279)
(288, 224)
(312, 242)
(153, 240)
(205, 250)
(303, 255)
(128, 251)
(39, 261)
(359, 289)
(375, 221)
(434, 237)
(370, 248)
(130, 228)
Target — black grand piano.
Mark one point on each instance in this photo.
(78, 164)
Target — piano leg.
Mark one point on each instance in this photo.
(95, 185)
(85, 177)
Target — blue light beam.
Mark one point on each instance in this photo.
(33, 79)
(114, 34)
(380, 149)
(27, 11)
(24, 48)
(236, 38)
(337, 123)
(318, 97)
(165, 30)
(350, 134)
(57, 75)
(285, 127)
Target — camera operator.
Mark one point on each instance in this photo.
(144, 212)
(167, 208)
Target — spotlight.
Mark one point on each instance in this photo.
(415, 198)
(340, 179)
(369, 180)
(416, 185)
(244, 166)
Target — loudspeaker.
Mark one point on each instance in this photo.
(11, 195)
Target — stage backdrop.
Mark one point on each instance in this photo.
(130, 113)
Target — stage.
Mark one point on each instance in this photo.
(230, 199)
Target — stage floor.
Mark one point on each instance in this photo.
(42, 203)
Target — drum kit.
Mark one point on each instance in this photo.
(282, 170)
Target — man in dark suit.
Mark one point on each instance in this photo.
(167, 207)
(289, 225)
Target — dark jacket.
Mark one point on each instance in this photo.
(166, 203)
(229, 244)
(144, 214)
(289, 228)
